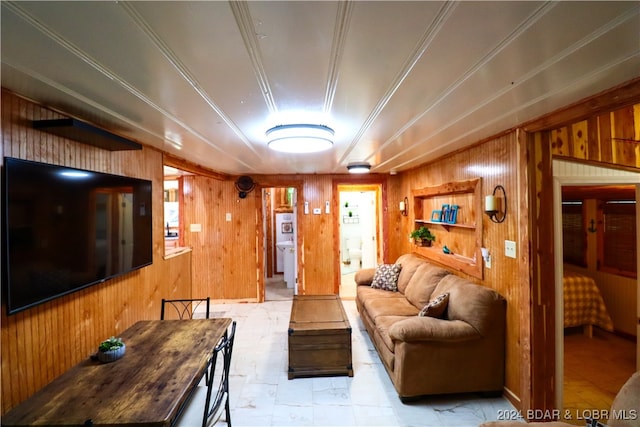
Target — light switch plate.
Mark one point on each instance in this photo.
(228, 216)
(510, 248)
(317, 211)
(195, 228)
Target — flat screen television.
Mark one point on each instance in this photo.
(65, 229)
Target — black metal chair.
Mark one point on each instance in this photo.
(214, 395)
(185, 308)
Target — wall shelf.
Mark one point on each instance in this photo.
(85, 133)
(445, 225)
(465, 236)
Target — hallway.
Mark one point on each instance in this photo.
(275, 289)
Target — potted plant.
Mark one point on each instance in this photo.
(110, 350)
(422, 236)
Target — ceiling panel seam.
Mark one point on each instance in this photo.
(183, 70)
(106, 72)
(341, 31)
(526, 24)
(428, 36)
(578, 82)
(242, 14)
(619, 20)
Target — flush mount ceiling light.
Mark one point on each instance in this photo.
(358, 167)
(300, 138)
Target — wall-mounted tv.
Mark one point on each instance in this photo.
(65, 229)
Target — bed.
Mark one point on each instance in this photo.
(583, 304)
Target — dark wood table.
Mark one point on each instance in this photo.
(163, 363)
(319, 337)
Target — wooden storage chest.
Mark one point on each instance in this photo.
(319, 337)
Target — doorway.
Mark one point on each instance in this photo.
(580, 378)
(359, 230)
(280, 232)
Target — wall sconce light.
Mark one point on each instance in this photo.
(404, 207)
(492, 205)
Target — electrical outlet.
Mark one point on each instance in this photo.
(510, 248)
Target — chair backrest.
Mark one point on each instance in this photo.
(185, 308)
(218, 379)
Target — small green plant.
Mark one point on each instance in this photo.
(422, 233)
(110, 344)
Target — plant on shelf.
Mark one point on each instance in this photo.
(422, 236)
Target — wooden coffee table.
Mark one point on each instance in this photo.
(319, 337)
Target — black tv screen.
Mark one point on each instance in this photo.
(66, 229)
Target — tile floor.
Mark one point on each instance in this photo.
(261, 394)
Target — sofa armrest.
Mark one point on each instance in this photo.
(364, 276)
(418, 328)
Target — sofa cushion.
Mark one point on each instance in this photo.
(386, 277)
(367, 292)
(383, 324)
(414, 329)
(477, 305)
(435, 307)
(410, 264)
(389, 307)
(422, 283)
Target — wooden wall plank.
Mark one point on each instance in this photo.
(40, 343)
(496, 163)
(579, 135)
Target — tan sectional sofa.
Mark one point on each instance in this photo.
(461, 352)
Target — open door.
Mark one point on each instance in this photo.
(359, 229)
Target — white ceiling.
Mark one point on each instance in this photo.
(401, 83)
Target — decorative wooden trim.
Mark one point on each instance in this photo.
(620, 96)
(471, 266)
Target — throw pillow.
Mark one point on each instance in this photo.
(386, 277)
(436, 307)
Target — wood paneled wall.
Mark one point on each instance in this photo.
(224, 253)
(601, 131)
(496, 163)
(40, 343)
(316, 261)
(227, 256)
(612, 137)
